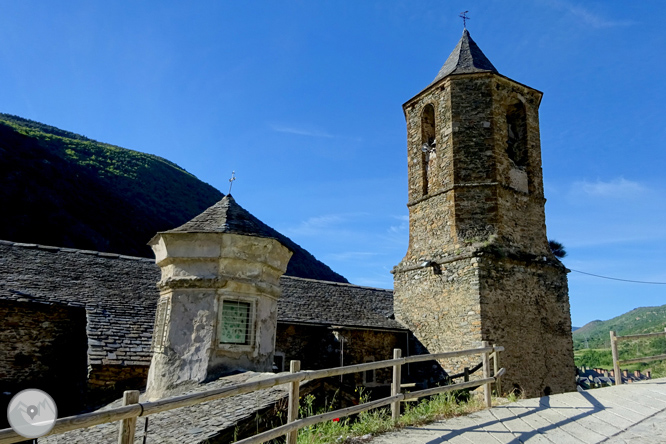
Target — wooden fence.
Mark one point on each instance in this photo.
(616, 360)
(132, 408)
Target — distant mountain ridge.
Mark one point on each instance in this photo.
(595, 334)
(63, 189)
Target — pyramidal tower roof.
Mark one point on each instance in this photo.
(466, 58)
(226, 216)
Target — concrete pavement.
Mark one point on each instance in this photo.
(633, 413)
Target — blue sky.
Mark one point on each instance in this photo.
(303, 100)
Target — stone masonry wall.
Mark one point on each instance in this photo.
(442, 308)
(525, 308)
(318, 347)
(472, 186)
(43, 346)
(441, 165)
(313, 345)
(432, 225)
(478, 266)
(522, 224)
(199, 272)
(369, 346)
(107, 383)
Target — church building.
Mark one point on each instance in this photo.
(215, 301)
(478, 266)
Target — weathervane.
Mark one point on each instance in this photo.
(231, 181)
(463, 15)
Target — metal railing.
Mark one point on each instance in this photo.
(616, 356)
(133, 409)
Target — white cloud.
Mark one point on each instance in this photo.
(588, 17)
(329, 225)
(315, 226)
(300, 131)
(402, 226)
(616, 188)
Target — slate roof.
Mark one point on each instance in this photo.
(466, 58)
(194, 424)
(333, 303)
(119, 294)
(226, 216)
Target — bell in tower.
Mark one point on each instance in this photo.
(478, 266)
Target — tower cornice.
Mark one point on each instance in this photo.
(446, 81)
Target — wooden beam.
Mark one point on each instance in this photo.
(496, 367)
(127, 427)
(162, 405)
(616, 364)
(62, 425)
(447, 355)
(311, 420)
(292, 412)
(486, 375)
(395, 387)
(132, 411)
(645, 359)
(641, 336)
(446, 388)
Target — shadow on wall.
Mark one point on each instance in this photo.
(43, 346)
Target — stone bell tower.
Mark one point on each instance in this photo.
(217, 310)
(478, 266)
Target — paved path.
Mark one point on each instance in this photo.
(631, 413)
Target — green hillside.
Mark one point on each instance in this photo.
(60, 188)
(639, 320)
(592, 341)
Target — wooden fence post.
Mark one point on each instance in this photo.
(616, 364)
(496, 367)
(466, 374)
(486, 374)
(292, 412)
(395, 387)
(128, 426)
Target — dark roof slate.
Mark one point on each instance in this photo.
(333, 303)
(119, 294)
(226, 216)
(201, 423)
(466, 58)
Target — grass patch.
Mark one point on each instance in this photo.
(345, 430)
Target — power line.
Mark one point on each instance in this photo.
(617, 279)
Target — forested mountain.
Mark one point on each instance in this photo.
(592, 341)
(63, 189)
(595, 334)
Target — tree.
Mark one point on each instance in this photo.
(557, 249)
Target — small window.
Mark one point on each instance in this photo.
(516, 143)
(236, 322)
(427, 144)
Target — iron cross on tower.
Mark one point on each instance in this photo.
(231, 181)
(463, 15)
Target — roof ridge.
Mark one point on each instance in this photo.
(226, 216)
(466, 58)
(342, 284)
(55, 249)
